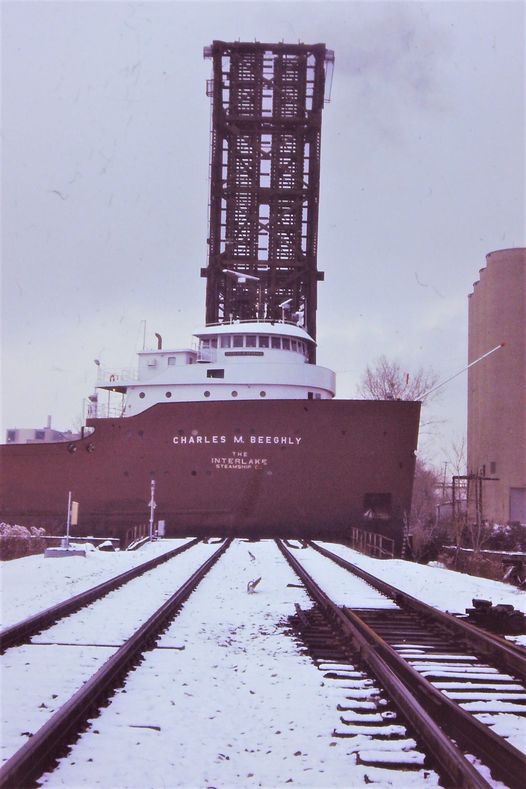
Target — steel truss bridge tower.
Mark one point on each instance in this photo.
(267, 102)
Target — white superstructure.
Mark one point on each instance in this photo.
(244, 360)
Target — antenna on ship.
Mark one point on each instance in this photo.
(267, 102)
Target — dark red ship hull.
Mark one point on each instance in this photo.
(258, 469)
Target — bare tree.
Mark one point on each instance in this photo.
(386, 380)
(480, 533)
(426, 532)
(456, 456)
(425, 495)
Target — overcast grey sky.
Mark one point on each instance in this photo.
(105, 183)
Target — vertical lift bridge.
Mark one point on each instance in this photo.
(267, 101)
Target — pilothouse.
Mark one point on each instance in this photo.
(247, 360)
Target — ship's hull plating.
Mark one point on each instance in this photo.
(265, 468)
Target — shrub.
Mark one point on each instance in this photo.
(17, 541)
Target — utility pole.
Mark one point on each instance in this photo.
(152, 506)
(68, 520)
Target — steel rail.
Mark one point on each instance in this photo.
(502, 653)
(419, 703)
(44, 746)
(505, 761)
(15, 634)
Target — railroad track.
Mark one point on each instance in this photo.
(438, 672)
(22, 631)
(45, 745)
(508, 656)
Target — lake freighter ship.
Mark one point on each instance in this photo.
(240, 432)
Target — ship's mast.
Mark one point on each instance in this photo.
(267, 101)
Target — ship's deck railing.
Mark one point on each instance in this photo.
(104, 411)
(114, 376)
(266, 321)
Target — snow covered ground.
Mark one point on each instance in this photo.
(39, 677)
(227, 699)
(34, 583)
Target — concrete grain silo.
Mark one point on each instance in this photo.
(497, 386)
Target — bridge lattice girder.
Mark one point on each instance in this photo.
(267, 101)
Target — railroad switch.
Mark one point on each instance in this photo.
(504, 619)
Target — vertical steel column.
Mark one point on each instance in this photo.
(267, 101)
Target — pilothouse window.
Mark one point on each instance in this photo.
(225, 341)
(207, 343)
(238, 341)
(250, 341)
(263, 342)
(276, 342)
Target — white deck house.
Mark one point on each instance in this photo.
(243, 360)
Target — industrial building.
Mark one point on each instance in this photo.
(42, 435)
(497, 387)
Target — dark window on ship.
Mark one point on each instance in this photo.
(276, 342)
(492, 467)
(262, 393)
(377, 505)
(225, 342)
(205, 343)
(234, 393)
(286, 343)
(251, 341)
(171, 361)
(310, 395)
(11, 435)
(263, 342)
(294, 345)
(207, 393)
(215, 373)
(168, 394)
(39, 435)
(141, 395)
(213, 342)
(237, 341)
(317, 396)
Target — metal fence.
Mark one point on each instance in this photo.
(372, 543)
